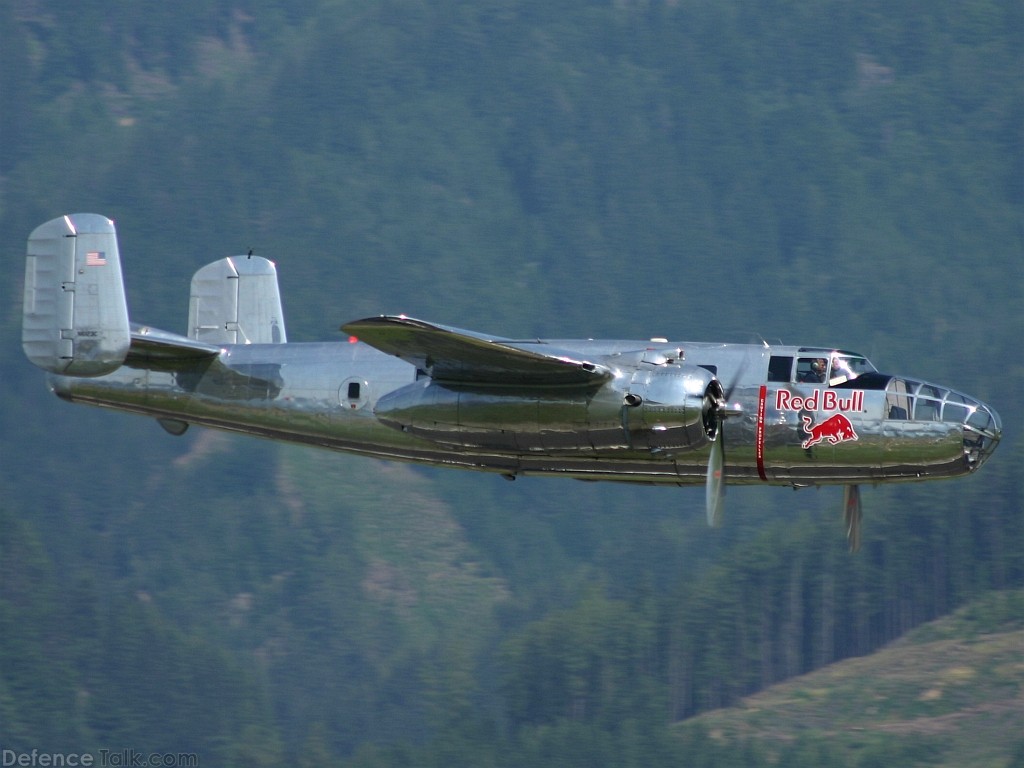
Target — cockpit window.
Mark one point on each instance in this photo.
(812, 370)
(836, 367)
(846, 367)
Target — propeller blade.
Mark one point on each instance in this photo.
(715, 489)
(852, 515)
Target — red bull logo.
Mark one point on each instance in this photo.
(837, 428)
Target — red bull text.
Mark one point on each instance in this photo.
(819, 399)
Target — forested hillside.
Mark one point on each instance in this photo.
(849, 174)
(945, 694)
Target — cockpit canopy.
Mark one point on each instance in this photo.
(819, 366)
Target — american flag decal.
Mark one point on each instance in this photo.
(95, 259)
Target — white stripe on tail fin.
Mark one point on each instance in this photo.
(75, 317)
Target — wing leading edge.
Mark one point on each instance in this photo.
(466, 357)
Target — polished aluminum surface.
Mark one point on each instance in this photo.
(400, 388)
(305, 393)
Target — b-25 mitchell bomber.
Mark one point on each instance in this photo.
(657, 411)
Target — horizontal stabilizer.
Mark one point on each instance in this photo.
(153, 348)
(458, 356)
(236, 301)
(75, 317)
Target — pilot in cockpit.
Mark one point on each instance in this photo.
(841, 371)
(817, 371)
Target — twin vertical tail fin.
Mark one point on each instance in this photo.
(236, 301)
(75, 316)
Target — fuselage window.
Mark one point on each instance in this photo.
(353, 393)
(955, 409)
(779, 368)
(898, 402)
(929, 401)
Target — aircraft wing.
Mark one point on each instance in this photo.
(466, 357)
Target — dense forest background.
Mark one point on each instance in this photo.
(849, 174)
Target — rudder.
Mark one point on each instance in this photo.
(75, 316)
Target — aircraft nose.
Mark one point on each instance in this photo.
(982, 431)
(982, 427)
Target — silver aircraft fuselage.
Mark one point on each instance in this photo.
(353, 397)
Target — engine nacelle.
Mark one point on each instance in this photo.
(676, 408)
(665, 409)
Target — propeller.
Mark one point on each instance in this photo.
(715, 411)
(714, 494)
(852, 515)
